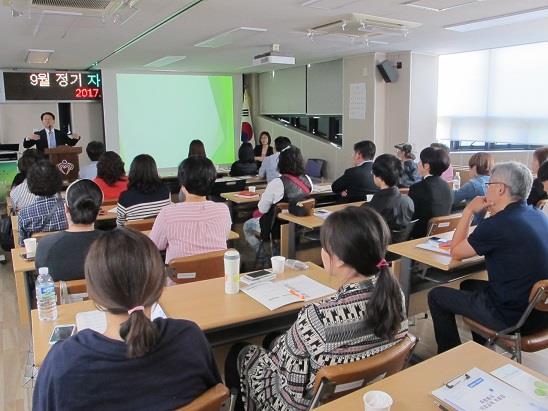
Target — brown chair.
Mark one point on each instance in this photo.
(443, 224)
(141, 225)
(41, 234)
(215, 399)
(334, 381)
(197, 267)
(109, 203)
(511, 338)
(64, 289)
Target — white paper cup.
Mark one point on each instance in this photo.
(369, 197)
(251, 189)
(377, 401)
(30, 247)
(278, 264)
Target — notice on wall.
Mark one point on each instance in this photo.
(356, 106)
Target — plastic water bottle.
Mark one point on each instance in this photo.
(232, 272)
(456, 181)
(46, 301)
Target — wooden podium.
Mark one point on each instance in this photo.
(65, 158)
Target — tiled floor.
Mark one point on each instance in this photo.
(15, 343)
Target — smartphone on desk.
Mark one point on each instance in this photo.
(255, 275)
(61, 332)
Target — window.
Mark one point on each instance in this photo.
(324, 127)
(494, 99)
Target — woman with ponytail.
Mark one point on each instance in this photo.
(364, 317)
(64, 252)
(136, 363)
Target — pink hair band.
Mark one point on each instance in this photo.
(382, 264)
(138, 308)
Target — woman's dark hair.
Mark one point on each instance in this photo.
(28, 158)
(44, 179)
(143, 174)
(291, 162)
(388, 168)
(124, 270)
(543, 172)
(358, 236)
(265, 133)
(197, 175)
(281, 142)
(483, 162)
(437, 158)
(541, 154)
(84, 199)
(246, 154)
(196, 148)
(95, 150)
(110, 168)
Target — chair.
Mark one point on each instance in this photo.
(142, 224)
(228, 186)
(443, 224)
(110, 203)
(511, 338)
(197, 267)
(65, 289)
(270, 232)
(315, 168)
(214, 399)
(335, 381)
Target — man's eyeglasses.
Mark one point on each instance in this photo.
(495, 182)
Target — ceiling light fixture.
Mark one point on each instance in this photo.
(38, 56)
(121, 11)
(437, 6)
(230, 36)
(164, 61)
(506, 19)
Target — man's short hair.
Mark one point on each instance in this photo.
(197, 174)
(95, 149)
(543, 172)
(47, 113)
(388, 168)
(366, 148)
(516, 176)
(281, 143)
(44, 179)
(483, 162)
(437, 158)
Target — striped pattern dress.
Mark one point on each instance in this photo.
(191, 228)
(329, 332)
(135, 205)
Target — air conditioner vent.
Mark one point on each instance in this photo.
(74, 4)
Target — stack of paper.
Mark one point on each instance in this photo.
(432, 246)
(97, 321)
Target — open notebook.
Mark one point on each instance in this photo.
(97, 321)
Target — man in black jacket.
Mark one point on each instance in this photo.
(357, 181)
(49, 137)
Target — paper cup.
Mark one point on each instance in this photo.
(278, 264)
(251, 189)
(377, 401)
(369, 197)
(30, 247)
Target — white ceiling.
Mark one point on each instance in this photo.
(80, 41)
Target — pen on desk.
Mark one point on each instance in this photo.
(297, 294)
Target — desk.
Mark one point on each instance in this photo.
(105, 215)
(224, 318)
(310, 221)
(409, 252)
(15, 229)
(411, 387)
(318, 191)
(20, 267)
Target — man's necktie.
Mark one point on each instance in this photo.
(51, 139)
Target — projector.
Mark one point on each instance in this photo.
(272, 57)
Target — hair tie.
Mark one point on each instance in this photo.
(138, 308)
(382, 264)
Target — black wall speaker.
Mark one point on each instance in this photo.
(388, 71)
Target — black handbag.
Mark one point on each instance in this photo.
(6, 233)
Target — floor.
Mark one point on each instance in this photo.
(16, 389)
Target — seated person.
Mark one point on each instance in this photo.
(432, 196)
(364, 317)
(94, 150)
(396, 209)
(196, 225)
(269, 167)
(449, 174)
(196, 148)
(357, 181)
(404, 152)
(246, 165)
(20, 195)
(292, 185)
(514, 241)
(540, 155)
(146, 194)
(136, 364)
(111, 176)
(47, 213)
(263, 149)
(64, 252)
(543, 178)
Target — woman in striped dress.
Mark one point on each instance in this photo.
(146, 194)
(364, 317)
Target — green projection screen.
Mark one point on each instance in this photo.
(161, 114)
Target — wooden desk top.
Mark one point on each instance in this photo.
(312, 221)
(203, 302)
(244, 200)
(411, 388)
(106, 216)
(19, 263)
(443, 262)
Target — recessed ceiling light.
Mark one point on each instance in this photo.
(38, 56)
(327, 4)
(439, 5)
(518, 17)
(229, 37)
(164, 61)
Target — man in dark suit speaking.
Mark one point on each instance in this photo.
(357, 181)
(49, 137)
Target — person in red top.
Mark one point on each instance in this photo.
(111, 176)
